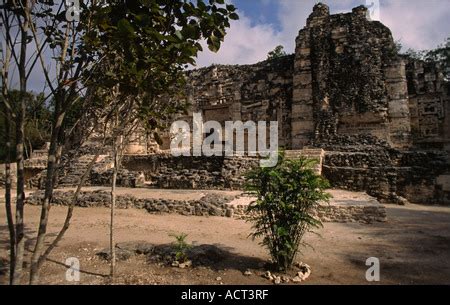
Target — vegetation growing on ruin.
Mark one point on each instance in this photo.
(276, 53)
(441, 55)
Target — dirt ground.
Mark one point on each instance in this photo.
(413, 247)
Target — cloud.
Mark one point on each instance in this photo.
(244, 44)
(417, 24)
(293, 14)
(248, 43)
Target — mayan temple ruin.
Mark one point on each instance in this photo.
(376, 120)
(122, 163)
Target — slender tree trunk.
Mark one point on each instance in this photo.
(54, 157)
(112, 243)
(8, 178)
(30, 147)
(9, 215)
(69, 212)
(20, 142)
(20, 195)
(25, 150)
(45, 209)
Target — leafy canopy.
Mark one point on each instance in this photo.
(276, 53)
(156, 38)
(441, 55)
(143, 46)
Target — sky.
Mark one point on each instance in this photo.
(264, 24)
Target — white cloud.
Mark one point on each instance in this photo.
(247, 43)
(417, 24)
(244, 44)
(293, 14)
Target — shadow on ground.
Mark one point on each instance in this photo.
(413, 246)
(215, 256)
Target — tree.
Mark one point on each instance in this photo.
(441, 55)
(38, 27)
(276, 53)
(7, 141)
(64, 37)
(152, 40)
(287, 197)
(37, 126)
(419, 55)
(15, 57)
(142, 48)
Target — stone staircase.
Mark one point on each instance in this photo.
(76, 169)
(38, 159)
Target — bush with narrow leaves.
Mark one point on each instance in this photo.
(287, 197)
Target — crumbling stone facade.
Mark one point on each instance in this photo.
(166, 171)
(260, 92)
(429, 105)
(382, 119)
(345, 78)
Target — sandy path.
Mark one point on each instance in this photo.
(413, 247)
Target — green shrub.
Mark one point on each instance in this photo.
(181, 246)
(287, 197)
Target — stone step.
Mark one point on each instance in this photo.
(78, 166)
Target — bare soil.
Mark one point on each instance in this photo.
(413, 247)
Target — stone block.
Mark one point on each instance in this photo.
(302, 79)
(397, 90)
(303, 64)
(303, 51)
(301, 110)
(444, 182)
(305, 94)
(302, 126)
(395, 72)
(399, 108)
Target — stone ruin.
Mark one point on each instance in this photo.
(376, 120)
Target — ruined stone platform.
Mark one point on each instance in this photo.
(345, 206)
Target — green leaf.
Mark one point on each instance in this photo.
(125, 27)
(179, 35)
(213, 43)
(234, 16)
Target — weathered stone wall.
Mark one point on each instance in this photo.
(208, 205)
(124, 178)
(418, 176)
(348, 79)
(429, 104)
(260, 92)
(166, 171)
(382, 118)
